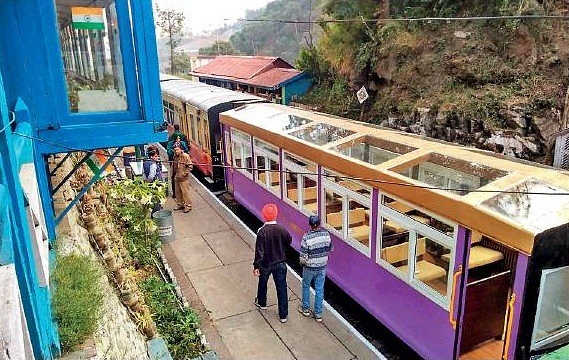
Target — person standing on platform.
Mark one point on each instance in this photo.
(152, 171)
(272, 240)
(170, 150)
(315, 246)
(177, 133)
(152, 168)
(181, 168)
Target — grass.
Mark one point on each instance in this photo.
(77, 299)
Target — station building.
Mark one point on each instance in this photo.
(75, 76)
(265, 76)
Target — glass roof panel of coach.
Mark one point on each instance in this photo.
(321, 134)
(270, 118)
(451, 174)
(372, 150)
(529, 203)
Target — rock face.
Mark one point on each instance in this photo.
(522, 140)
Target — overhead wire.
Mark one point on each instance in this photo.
(360, 20)
(346, 177)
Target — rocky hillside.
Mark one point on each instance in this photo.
(498, 84)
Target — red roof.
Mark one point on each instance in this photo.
(273, 77)
(247, 68)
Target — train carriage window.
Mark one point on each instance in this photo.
(229, 159)
(418, 215)
(552, 315)
(394, 244)
(193, 125)
(168, 111)
(267, 165)
(347, 209)
(241, 151)
(321, 133)
(525, 203)
(301, 183)
(91, 51)
(372, 150)
(431, 267)
(358, 222)
(450, 174)
(199, 129)
(418, 246)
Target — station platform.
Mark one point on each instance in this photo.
(212, 259)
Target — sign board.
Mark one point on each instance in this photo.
(362, 94)
(90, 18)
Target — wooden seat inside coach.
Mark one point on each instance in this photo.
(358, 224)
(310, 195)
(273, 175)
(398, 255)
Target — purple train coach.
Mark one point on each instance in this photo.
(463, 254)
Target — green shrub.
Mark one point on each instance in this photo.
(77, 299)
(175, 324)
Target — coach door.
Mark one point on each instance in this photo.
(486, 296)
(227, 160)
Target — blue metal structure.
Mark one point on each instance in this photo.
(295, 87)
(54, 80)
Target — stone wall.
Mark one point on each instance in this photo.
(116, 336)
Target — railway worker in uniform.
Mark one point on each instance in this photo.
(181, 168)
(272, 240)
(315, 246)
(177, 141)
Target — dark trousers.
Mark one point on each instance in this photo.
(279, 277)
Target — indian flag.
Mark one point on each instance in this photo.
(89, 18)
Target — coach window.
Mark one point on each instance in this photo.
(168, 111)
(301, 183)
(229, 159)
(193, 124)
(241, 150)
(267, 165)
(199, 129)
(347, 209)
(90, 38)
(416, 246)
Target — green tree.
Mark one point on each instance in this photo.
(219, 48)
(171, 23)
(269, 36)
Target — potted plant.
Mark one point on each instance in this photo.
(145, 324)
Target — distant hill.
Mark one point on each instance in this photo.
(277, 38)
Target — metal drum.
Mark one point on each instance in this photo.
(165, 223)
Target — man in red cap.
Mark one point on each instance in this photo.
(272, 239)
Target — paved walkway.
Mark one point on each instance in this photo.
(212, 258)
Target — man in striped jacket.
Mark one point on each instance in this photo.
(314, 249)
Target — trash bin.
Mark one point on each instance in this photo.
(165, 223)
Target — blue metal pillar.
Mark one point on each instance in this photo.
(35, 299)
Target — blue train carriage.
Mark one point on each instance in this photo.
(195, 107)
(462, 254)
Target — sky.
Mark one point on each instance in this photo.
(206, 15)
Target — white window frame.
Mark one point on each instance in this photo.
(347, 195)
(242, 143)
(259, 151)
(433, 234)
(289, 166)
